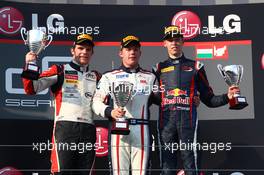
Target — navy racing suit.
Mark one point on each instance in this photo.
(182, 78)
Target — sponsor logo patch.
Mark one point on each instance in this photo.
(71, 81)
(167, 69)
(90, 76)
(71, 77)
(187, 68)
(176, 100)
(143, 81)
(88, 95)
(176, 92)
(72, 72)
(122, 76)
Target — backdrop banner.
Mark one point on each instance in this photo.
(223, 34)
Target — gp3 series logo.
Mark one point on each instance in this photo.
(11, 75)
(191, 26)
(11, 20)
(11, 72)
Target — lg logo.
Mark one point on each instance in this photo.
(11, 20)
(235, 173)
(231, 24)
(101, 145)
(181, 172)
(10, 72)
(262, 61)
(190, 24)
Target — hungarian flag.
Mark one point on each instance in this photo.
(204, 52)
(212, 50)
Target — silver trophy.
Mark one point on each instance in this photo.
(37, 40)
(121, 94)
(232, 75)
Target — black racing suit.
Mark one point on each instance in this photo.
(182, 78)
(74, 132)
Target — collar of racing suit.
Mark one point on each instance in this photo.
(176, 60)
(129, 70)
(79, 68)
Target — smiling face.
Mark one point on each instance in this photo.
(82, 53)
(174, 46)
(130, 56)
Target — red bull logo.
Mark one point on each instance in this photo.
(177, 92)
(176, 100)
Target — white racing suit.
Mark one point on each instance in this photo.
(73, 87)
(128, 151)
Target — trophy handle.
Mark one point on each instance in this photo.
(222, 72)
(50, 39)
(241, 70)
(220, 68)
(23, 32)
